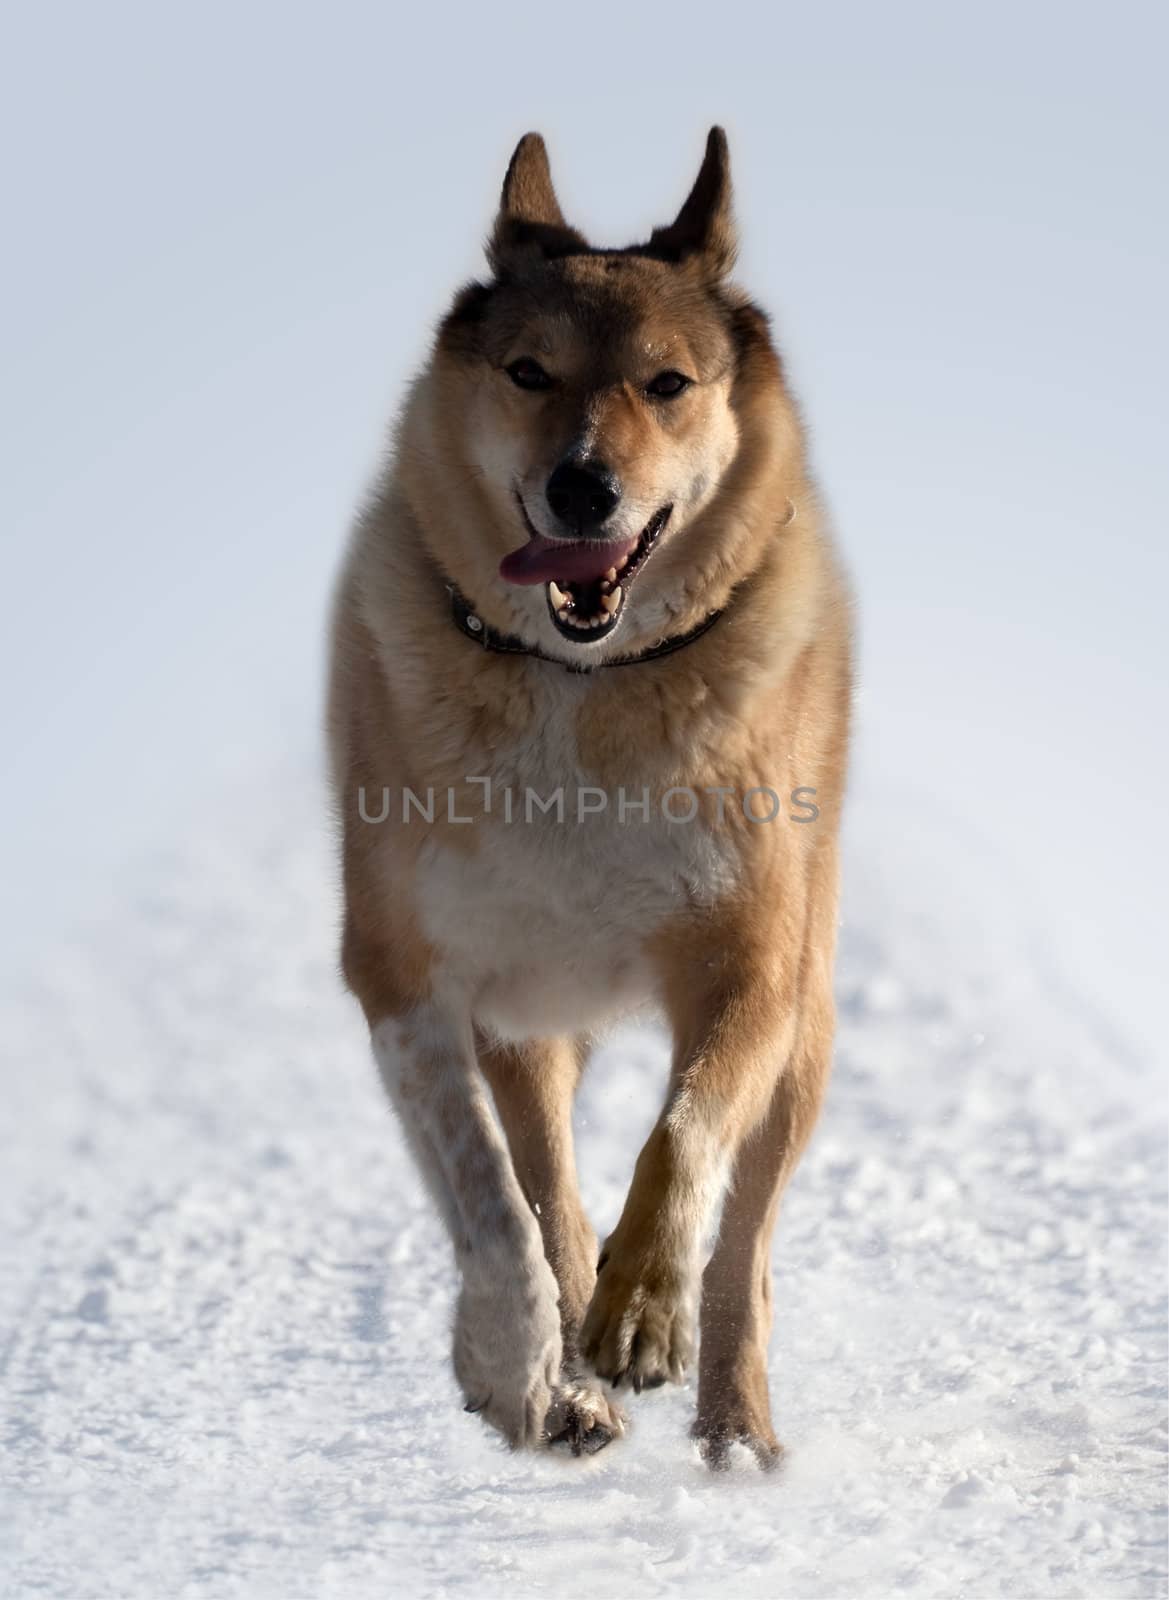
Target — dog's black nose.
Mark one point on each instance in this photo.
(582, 496)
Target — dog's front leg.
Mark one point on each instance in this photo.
(507, 1346)
(732, 1040)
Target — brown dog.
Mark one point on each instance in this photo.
(588, 718)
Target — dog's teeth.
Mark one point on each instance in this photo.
(624, 562)
(558, 596)
(612, 574)
(611, 601)
(563, 613)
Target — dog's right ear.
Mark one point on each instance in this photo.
(530, 221)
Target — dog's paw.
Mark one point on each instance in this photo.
(507, 1352)
(639, 1327)
(582, 1418)
(735, 1419)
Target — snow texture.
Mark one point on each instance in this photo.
(224, 1303)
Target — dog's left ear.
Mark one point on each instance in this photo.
(704, 229)
(530, 220)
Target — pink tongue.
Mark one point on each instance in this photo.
(577, 561)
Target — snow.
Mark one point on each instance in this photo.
(224, 1302)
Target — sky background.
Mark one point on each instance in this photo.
(230, 229)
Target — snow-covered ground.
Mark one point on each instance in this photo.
(224, 1302)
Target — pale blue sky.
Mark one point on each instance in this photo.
(229, 230)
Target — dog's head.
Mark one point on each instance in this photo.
(594, 395)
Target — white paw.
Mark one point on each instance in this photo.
(582, 1417)
(507, 1344)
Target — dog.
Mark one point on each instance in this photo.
(588, 722)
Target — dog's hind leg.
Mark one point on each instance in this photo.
(533, 1084)
(733, 1400)
(736, 1317)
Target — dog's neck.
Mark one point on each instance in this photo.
(470, 623)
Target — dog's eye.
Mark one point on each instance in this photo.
(528, 374)
(667, 384)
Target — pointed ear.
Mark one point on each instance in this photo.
(530, 219)
(704, 229)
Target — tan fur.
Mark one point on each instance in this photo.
(486, 952)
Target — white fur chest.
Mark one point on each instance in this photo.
(542, 928)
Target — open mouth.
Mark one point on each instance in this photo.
(586, 580)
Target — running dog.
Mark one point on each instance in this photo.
(588, 721)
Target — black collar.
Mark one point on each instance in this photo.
(469, 622)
